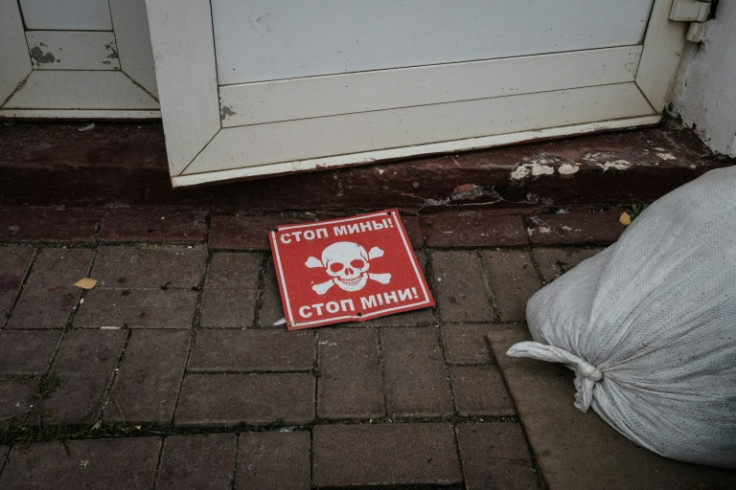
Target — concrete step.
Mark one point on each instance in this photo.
(51, 164)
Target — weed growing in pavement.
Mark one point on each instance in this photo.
(636, 209)
(47, 385)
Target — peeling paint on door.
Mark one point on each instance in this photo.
(39, 57)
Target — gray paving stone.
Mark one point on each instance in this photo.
(576, 450)
(513, 280)
(234, 270)
(252, 350)
(553, 262)
(480, 390)
(128, 463)
(83, 368)
(417, 383)
(137, 308)
(231, 289)
(495, 455)
(384, 454)
(197, 462)
(350, 384)
(149, 266)
(49, 298)
(16, 396)
(250, 398)
(149, 377)
(459, 287)
(15, 261)
(274, 460)
(466, 344)
(27, 352)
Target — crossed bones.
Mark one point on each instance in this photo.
(344, 253)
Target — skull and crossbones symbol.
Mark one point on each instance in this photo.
(347, 264)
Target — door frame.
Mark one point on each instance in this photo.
(129, 92)
(201, 146)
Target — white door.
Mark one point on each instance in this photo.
(273, 86)
(76, 59)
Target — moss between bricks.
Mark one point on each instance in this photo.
(46, 430)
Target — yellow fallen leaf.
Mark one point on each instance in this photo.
(625, 219)
(86, 283)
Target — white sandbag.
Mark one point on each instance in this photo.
(649, 325)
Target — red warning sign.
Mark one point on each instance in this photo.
(347, 269)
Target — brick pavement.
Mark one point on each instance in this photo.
(171, 374)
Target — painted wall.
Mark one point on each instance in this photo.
(705, 90)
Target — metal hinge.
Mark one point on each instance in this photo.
(694, 11)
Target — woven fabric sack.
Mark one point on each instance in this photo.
(649, 325)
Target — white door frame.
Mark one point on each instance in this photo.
(124, 90)
(204, 144)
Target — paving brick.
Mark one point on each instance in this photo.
(152, 224)
(274, 460)
(16, 396)
(47, 224)
(271, 308)
(149, 377)
(199, 461)
(459, 287)
(575, 227)
(466, 344)
(249, 398)
(553, 262)
(83, 464)
(137, 308)
(243, 231)
(15, 261)
(475, 228)
(231, 289)
(513, 280)
(384, 454)
(417, 383)
(495, 455)
(48, 299)
(149, 267)
(246, 232)
(83, 368)
(252, 350)
(480, 390)
(576, 450)
(27, 352)
(350, 384)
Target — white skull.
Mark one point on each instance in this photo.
(347, 263)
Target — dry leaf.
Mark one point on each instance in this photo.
(625, 219)
(86, 283)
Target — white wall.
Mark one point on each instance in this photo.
(705, 91)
